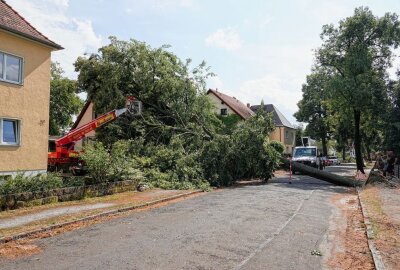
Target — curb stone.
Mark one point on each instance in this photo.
(7, 239)
(376, 256)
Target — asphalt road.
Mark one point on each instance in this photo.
(273, 226)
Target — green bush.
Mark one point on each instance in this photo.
(21, 183)
(73, 181)
(97, 161)
(122, 164)
(278, 146)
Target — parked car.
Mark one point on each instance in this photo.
(327, 161)
(334, 160)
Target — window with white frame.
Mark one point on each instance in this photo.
(10, 131)
(10, 68)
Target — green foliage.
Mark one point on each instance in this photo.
(98, 162)
(358, 54)
(73, 181)
(347, 96)
(299, 135)
(391, 136)
(21, 183)
(172, 94)
(277, 146)
(217, 159)
(116, 165)
(178, 142)
(169, 166)
(244, 154)
(121, 167)
(64, 101)
(229, 122)
(313, 107)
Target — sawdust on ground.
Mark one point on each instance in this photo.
(349, 245)
(14, 250)
(384, 216)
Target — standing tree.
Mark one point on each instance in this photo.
(392, 124)
(359, 52)
(313, 107)
(64, 102)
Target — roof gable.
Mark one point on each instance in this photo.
(13, 22)
(81, 114)
(277, 116)
(236, 105)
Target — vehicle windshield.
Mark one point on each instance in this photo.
(305, 152)
(332, 157)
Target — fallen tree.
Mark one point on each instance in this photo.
(324, 176)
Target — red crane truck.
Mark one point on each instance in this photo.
(61, 153)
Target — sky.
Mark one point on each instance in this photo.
(258, 49)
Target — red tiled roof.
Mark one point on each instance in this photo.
(11, 21)
(238, 107)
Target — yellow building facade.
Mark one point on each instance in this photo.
(24, 97)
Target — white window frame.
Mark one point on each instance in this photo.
(21, 60)
(18, 135)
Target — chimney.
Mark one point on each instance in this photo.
(248, 105)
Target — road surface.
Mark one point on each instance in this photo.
(273, 226)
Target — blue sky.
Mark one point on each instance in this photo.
(258, 49)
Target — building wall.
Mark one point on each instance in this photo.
(86, 118)
(286, 136)
(29, 103)
(218, 105)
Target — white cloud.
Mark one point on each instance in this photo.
(227, 39)
(215, 82)
(50, 17)
(271, 88)
(168, 4)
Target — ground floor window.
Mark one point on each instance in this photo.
(10, 131)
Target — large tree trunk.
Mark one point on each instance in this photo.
(344, 153)
(324, 147)
(368, 149)
(323, 175)
(357, 141)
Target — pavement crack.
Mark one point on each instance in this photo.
(276, 233)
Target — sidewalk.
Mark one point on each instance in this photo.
(382, 204)
(34, 218)
(383, 207)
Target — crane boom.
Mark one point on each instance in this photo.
(64, 153)
(78, 133)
